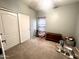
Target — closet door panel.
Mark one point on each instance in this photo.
(24, 25)
(11, 29)
(2, 31)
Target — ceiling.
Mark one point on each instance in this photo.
(34, 3)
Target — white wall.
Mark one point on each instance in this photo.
(77, 29)
(77, 32)
(62, 20)
(18, 7)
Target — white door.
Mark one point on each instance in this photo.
(10, 26)
(1, 43)
(24, 25)
(2, 31)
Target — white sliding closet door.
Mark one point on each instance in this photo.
(1, 29)
(24, 25)
(10, 26)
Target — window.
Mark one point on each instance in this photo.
(41, 23)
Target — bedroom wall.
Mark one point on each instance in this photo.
(77, 29)
(62, 20)
(77, 32)
(18, 7)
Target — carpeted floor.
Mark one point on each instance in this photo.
(34, 49)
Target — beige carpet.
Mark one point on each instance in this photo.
(34, 49)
